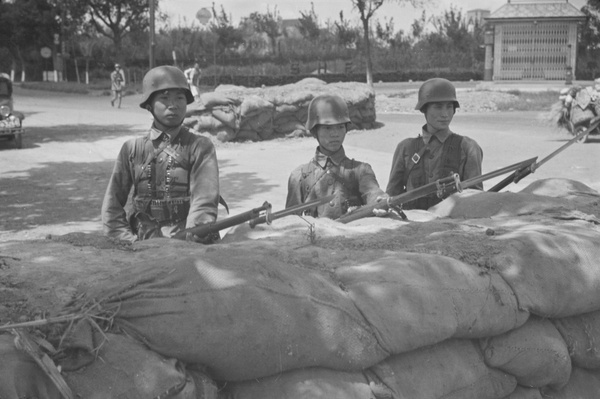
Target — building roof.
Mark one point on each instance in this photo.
(532, 9)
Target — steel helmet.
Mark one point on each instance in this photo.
(163, 78)
(436, 90)
(327, 109)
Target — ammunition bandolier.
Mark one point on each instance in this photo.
(174, 184)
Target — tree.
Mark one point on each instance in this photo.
(267, 23)
(366, 10)
(226, 35)
(309, 24)
(115, 19)
(346, 35)
(25, 27)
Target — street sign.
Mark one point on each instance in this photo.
(46, 52)
(203, 16)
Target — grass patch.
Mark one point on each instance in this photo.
(529, 101)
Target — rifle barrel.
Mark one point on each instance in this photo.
(518, 175)
(290, 211)
(205, 229)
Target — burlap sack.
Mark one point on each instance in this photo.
(534, 353)
(581, 334)
(308, 383)
(452, 369)
(524, 393)
(553, 270)
(124, 368)
(413, 300)
(20, 376)
(254, 315)
(583, 384)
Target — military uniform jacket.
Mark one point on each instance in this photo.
(184, 176)
(440, 154)
(352, 182)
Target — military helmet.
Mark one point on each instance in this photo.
(163, 78)
(436, 90)
(327, 109)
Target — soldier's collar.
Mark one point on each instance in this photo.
(441, 135)
(172, 133)
(337, 157)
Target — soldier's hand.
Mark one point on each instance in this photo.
(209, 239)
(381, 212)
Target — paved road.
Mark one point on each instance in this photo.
(55, 184)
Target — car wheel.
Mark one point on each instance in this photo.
(18, 140)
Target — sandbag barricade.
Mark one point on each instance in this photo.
(237, 113)
(498, 306)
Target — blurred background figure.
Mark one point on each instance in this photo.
(117, 83)
(193, 77)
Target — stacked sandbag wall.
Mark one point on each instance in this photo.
(501, 305)
(233, 113)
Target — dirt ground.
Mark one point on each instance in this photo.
(54, 185)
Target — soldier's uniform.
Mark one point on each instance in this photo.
(352, 182)
(429, 157)
(174, 175)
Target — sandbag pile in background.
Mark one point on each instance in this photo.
(503, 304)
(237, 113)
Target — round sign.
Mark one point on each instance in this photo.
(203, 15)
(46, 52)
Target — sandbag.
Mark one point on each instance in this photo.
(413, 300)
(20, 376)
(581, 334)
(215, 99)
(272, 314)
(308, 383)
(253, 105)
(534, 353)
(583, 384)
(524, 393)
(125, 368)
(227, 116)
(553, 270)
(452, 369)
(560, 188)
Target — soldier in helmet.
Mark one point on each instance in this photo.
(330, 171)
(437, 151)
(173, 172)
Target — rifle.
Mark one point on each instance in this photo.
(442, 188)
(519, 174)
(254, 216)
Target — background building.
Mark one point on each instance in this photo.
(533, 40)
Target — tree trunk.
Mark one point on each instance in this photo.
(365, 22)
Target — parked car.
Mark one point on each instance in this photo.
(10, 120)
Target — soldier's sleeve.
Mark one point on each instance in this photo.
(114, 218)
(294, 194)
(368, 185)
(471, 160)
(204, 183)
(396, 181)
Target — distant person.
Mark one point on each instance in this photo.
(193, 78)
(330, 171)
(117, 84)
(437, 152)
(172, 173)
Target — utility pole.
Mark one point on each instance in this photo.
(152, 39)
